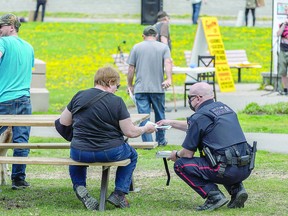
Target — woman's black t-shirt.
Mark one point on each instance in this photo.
(97, 127)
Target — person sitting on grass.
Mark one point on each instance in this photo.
(98, 136)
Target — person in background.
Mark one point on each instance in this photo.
(251, 5)
(196, 7)
(41, 3)
(98, 136)
(146, 61)
(163, 36)
(163, 30)
(225, 156)
(16, 63)
(283, 55)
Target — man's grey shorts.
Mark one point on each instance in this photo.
(283, 63)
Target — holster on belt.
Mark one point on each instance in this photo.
(209, 157)
(253, 156)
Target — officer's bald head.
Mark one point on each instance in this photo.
(202, 89)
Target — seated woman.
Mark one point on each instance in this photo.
(98, 136)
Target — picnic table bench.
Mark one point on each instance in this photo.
(68, 161)
(236, 59)
(136, 145)
(48, 120)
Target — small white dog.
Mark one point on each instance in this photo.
(5, 137)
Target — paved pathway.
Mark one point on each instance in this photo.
(132, 7)
(119, 8)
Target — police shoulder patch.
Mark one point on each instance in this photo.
(221, 110)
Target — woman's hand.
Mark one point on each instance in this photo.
(149, 128)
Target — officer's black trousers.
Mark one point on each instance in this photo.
(197, 173)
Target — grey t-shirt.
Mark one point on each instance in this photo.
(148, 59)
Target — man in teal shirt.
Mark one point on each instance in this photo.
(16, 63)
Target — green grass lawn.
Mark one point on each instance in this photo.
(74, 51)
(264, 123)
(51, 191)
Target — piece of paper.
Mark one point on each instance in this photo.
(162, 127)
(163, 154)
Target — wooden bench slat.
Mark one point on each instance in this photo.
(235, 58)
(57, 161)
(140, 145)
(35, 145)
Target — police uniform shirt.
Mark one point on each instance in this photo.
(214, 125)
(196, 126)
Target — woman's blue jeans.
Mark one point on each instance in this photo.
(123, 179)
(144, 102)
(19, 106)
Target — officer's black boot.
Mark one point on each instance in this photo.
(215, 200)
(238, 197)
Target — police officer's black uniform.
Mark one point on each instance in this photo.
(214, 128)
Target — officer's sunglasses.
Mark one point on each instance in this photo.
(192, 97)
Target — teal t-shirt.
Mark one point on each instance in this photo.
(16, 66)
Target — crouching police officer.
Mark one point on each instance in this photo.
(225, 156)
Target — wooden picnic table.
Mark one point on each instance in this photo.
(48, 120)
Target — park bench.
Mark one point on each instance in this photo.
(120, 60)
(136, 145)
(236, 59)
(68, 161)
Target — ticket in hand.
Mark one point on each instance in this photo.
(162, 127)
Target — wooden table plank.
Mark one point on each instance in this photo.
(48, 120)
(192, 71)
(141, 145)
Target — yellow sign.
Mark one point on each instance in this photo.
(216, 47)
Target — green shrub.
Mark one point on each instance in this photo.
(280, 108)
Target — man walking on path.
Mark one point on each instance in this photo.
(147, 59)
(163, 29)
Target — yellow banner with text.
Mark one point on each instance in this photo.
(216, 47)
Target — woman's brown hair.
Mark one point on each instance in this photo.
(106, 76)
